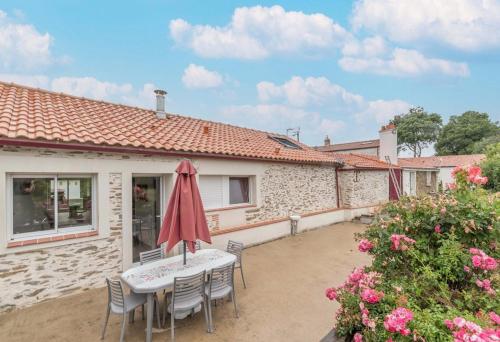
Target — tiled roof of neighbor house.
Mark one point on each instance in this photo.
(356, 145)
(441, 161)
(28, 114)
(362, 161)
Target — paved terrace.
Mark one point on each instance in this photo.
(284, 299)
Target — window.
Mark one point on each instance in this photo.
(238, 190)
(224, 191)
(428, 178)
(286, 142)
(50, 204)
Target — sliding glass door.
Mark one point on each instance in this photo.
(146, 213)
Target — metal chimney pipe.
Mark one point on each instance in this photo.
(160, 103)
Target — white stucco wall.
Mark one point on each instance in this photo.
(373, 151)
(444, 176)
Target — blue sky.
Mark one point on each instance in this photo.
(331, 67)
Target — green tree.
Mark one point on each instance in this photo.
(481, 145)
(417, 129)
(491, 166)
(462, 132)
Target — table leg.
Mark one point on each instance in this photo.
(149, 317)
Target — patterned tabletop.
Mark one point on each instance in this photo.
(160, 274)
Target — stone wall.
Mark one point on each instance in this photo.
(289, 188)
(30, 277)
(360, 188)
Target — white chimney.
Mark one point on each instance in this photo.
(160, 104)
(388, 143)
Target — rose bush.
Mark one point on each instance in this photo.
(435, 274)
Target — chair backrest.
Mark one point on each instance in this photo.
(152, 255)
(115, 292)
(197, 246)
(235, 248)
(221, 277)
(189, 287)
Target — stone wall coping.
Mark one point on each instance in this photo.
(243, 206)
(233, 229)
(53, 238)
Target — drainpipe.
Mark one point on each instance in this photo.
(337, 187)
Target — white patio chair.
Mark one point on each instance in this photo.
(236, 248)
(121, 304)
(188, 296)
(197, 246)
(220, 285)
(150, 256)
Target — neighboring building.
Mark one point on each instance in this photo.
(385, 146)
(444, 164)
(418, 179)
(85, 184)
(376, 153)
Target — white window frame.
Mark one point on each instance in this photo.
(225, 191)
(56, 230)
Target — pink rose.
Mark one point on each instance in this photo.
(459, 321)
(452, 186)
(449, 324)
(443, 211)
(331, 293)
(437, 229)
(365, 245)
(476, 260)
(494, 317)
(358, 337)
(467, 269)
(371, 296)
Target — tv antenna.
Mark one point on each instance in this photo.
(293, 132)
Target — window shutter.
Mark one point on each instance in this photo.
(211, 191)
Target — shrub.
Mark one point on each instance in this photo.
(435, 273)
(491, 166)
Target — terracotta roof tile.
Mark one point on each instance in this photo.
(356, 145)
(441, 161)
(28, 113)
(361, 161)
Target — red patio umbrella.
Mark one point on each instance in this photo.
(185, 217)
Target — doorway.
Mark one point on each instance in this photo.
(146, 213)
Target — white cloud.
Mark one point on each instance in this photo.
(198, 77)
(316, 91)
(463, 24)
(90, 87)
(402, 62)
(329, 98)
(22, 46)
(35, 81)
(257, 32)
(382, 110)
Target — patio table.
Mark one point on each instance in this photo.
(158, 275)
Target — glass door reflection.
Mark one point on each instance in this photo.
(146, 214)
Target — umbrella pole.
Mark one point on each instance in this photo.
(184, 251)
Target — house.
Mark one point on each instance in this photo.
(85, 183)
(382, 148)
(418, 179)
(443, 164)
(381, 154)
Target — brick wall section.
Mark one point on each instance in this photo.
(370, 188)
(288, 188)
(30, 277)
(213, 221)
